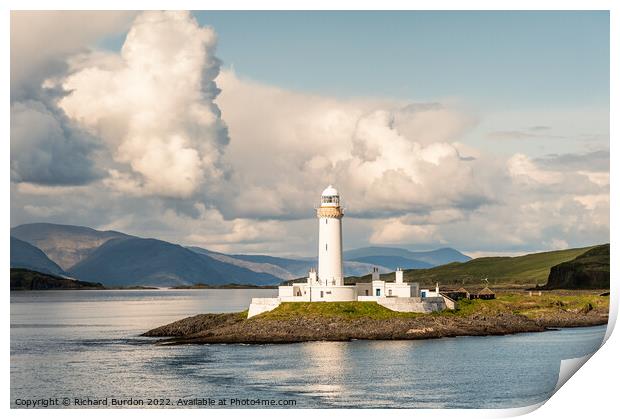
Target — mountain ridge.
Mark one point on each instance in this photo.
(64, 244)
(137, 261)
(119, 259)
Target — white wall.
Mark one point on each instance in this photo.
(378, 285)
(338, 293)
(413, 305)
(285, 291)
(397, 290)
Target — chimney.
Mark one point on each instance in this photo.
(375, 274)
(399, 276)
(312, 276)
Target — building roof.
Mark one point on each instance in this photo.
(486, 291)
(462, 290)
(330, 191)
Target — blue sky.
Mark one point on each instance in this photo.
(489, 59)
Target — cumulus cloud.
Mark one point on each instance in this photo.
(395, 231)
(47, 148)
(154, 106)
(387, 157)
(41, 42)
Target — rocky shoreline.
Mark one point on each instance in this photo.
(236, 328)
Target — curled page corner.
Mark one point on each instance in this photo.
(568, 367)
(518, 411)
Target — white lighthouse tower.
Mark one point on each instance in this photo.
(327, 285)
(330, 238)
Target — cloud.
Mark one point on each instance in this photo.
(387, 157)
(522, 169)
(596, 161)
(153, 107)
(395, 231)
(530, 133)
(46, 147)
(41, 42)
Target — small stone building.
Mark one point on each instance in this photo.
(483, 294)
(460, 294)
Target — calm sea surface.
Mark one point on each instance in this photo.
(85, 344)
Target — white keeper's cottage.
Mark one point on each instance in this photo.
(327, 284)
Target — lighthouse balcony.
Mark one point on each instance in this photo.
(329, 212)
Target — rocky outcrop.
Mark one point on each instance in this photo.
(235, 328)
(587, 271)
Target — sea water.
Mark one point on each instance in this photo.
(72, 347)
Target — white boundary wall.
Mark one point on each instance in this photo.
(413, 304)
(262, 305)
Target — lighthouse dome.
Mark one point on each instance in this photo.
(330, 198)
(330, 191)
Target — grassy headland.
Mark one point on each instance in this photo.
(337, 321)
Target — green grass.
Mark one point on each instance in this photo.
(344, 309)
(527, 269)
(533, 307)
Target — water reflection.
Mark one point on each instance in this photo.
(327, 368)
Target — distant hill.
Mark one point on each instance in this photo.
(432, 257)
(296, 267)
(589, 270)
(136, 261)
(393, 262)
(527, 269)
(255, 265)
(24, 279)
(66, 245)
(300, 267)
(24, 255)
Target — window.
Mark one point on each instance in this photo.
(326, 247)
(321, 294)
(378, 292)
(390, 293)
(330, 199)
